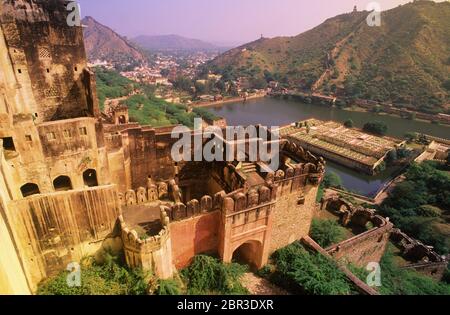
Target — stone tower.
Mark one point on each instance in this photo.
(51, 146)
(44, 61)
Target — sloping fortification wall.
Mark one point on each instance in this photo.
(54, 230)
(366, 247)
(423, 258)
(12, 277)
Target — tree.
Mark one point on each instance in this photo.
(327, 232)
(332, 180)
(300, 271)
(207, 275)
(258, 83)
(377, 127)
(182, 83)
(446, 85)
(349, 123)
(411, 137)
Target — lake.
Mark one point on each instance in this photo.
(279, 112)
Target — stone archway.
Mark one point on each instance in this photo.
(62, 183)
(249, 253)
(29, 190)
(122, 120)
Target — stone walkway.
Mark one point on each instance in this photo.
(259, 286)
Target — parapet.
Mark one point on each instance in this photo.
(132, 241)
(153, 192)
(234, 202)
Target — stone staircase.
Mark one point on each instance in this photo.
(248, 168)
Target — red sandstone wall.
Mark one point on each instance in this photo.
(194, 236)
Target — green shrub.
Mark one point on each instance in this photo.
(110, 278)
(332, 180)
(415, 205)
(300, 271)
(429, 211)
(168, 287)
(327, 232)
(377, 127)
(349, 124)
(398, 281)
(207, 275)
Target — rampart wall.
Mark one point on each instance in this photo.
(56, 229)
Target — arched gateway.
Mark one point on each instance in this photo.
(250, 253)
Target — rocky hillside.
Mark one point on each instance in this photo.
(104, 44)
(172, 43)
(406, 60)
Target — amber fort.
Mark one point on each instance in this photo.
(75, 182)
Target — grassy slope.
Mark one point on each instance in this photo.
(407, 59)
(301, 57)
(145, 109)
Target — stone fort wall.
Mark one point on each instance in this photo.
(366, 247)
(56, 229)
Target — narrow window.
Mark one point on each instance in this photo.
(83, 131)
(8, 144)
(28, 138)
(48, 70)
(90, 178)
(67, 134)
(51, 136)
(19, 70)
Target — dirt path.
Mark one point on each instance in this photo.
(259, 286)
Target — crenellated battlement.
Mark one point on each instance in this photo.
(131, 239)
(149, 252)
(140, 196)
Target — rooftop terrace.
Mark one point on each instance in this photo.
(350, 143)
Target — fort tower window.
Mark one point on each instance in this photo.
(90, 178)
(62, 183)
(51, 136)
(8, 144)
(30, 189)
(19, 71)
(83, 131)
(28, 138)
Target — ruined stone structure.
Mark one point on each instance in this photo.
(372, 233)
(420, 257)
(75, 184)
(370, 245)
(349, 147)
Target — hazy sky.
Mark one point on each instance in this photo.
(224, 21)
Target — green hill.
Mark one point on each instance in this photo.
(406, 60)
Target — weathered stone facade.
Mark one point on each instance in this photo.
(370, 246)
(367, 246)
